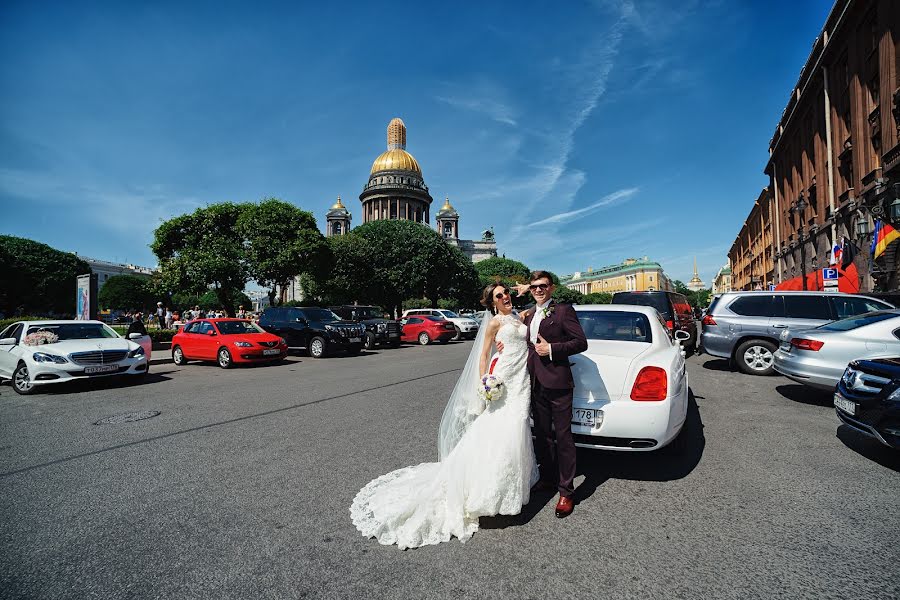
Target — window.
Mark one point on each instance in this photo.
(615, 325)
(859, 321)
(77, 331)
(205, 328)
(807, 307)
(13, 331)
(413, 321)
(234, 327)
(192, 327)
(753, 306)
(848, 306)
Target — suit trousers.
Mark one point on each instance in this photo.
(557, 462)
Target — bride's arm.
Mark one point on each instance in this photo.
(492, 328)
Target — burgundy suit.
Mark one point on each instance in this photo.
(551, 394)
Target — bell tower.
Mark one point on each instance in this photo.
(338, 219)
(448, 221)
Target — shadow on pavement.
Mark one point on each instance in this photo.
(718, 364)
(803, 394)
(869, 448)
(105, 383)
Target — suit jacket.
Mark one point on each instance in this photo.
(563, 332)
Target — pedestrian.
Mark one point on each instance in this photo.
(160, 314)
(137, 325)
(241, 313)
(169, 318)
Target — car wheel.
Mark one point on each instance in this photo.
(317, 347)
(459, 334)
(369, 343)
(178, 356)
(424, 339)
(756, 357)
(20, 380)
(224, 358)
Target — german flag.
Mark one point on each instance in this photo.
(884, 235)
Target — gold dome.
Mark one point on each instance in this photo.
(396, 159)
(337, 205)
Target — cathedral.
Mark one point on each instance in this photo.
(396, 190)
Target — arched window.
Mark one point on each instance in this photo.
(448, 229)
(336, 228)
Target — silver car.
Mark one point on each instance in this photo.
(746, 326)
(817, 357)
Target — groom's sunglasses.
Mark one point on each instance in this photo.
(501, 294)
(539, 286)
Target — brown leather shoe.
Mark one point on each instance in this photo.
(564, 507)
(543, 486)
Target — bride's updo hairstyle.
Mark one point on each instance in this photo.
(487, 296)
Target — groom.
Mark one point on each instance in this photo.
(554, 334)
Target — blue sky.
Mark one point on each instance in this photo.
(583, 132)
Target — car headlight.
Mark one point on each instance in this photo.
(895, 395)
(243, 344)
(329, 328)
(43, 357)
(382, 326)
(282, 341)
(139, 351)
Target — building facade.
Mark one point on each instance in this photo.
(696, 284)
(631, 275)
(105, 269)
(834, 159)
(722, 281)
(751, 254)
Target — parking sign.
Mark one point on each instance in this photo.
(829, 273)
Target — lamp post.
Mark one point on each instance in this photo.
(799, 208)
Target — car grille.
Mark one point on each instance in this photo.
(351, 331)
(268, 344)
(393, 327)
(98, 357)
(863, 383)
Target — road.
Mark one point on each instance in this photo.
(240, 488)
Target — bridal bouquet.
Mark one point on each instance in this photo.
(40, 337)
(491, 388)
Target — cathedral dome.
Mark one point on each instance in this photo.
(396, 159)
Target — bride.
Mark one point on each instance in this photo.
(487, 464)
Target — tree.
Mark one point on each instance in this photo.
(281, 242)
(502, 269)
(681, 288)
(37, 279)
(204, 250)
(210, 300)
(597, 298)
(563, 294)
(126, 292)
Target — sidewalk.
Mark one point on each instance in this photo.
(162, 353)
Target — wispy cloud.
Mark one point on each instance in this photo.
(617, 197)
(491, 107)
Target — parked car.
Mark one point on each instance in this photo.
(226, 341)
(746, 327)
(36, 353)
(466, 327)
(631, 384)
(379, 331)
(867, 399)
(818, 357)
(426, 329)
(316, 329)
(674, 308)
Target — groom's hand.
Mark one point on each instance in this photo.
(542, 347)
(499, 347)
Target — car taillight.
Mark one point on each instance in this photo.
(670, 325)
(803, 344)
(651, 384)
(708, 320)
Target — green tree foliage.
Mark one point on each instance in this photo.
(569, 296)
(597, 298)
(210, 300)
(204, 250)
(281, 242)
(681, 288)
(506, 270)
(37, 279)
(127, 292)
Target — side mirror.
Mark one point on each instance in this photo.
(301, 320)
(681, 336)
(211, 333)
(134, 336)
(8, 342)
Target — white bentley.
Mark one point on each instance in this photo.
(35, 353)
(631, 384)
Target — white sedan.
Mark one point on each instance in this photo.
(631, 384)
(35, 353)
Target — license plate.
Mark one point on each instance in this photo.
(848, 406)
(100, 369)
(271, 352)
(584, 416)
(355, 340)
(394, 335)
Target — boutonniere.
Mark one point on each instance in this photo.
(548, 310)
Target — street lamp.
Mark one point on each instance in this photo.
(862, 227)
(894, 210)
(799, 208)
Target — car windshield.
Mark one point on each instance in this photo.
(237, 327)
(435, 318)
(366, 312)
(76, 331)
(618, 326)
(449, 314)
(658, 301)
(859, 321)
(320, 314)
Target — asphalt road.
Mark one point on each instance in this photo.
(240, 488)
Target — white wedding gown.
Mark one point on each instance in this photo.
(489, 472)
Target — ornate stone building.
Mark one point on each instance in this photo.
(396, 190)
(696, 284)
(750, 256)
(632, 274)
(722, 281)
(834, 160)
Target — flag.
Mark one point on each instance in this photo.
(848, 253)
(836, 253)
(884, 235)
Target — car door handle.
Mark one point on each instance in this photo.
(779, 326)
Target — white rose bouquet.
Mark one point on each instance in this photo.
(491, 388)
(39, 338)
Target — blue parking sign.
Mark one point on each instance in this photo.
(829, 273)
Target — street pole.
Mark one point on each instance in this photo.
(800, 208)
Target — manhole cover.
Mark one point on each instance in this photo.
(128, 417)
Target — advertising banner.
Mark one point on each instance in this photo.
(86, 297)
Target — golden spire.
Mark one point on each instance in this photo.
(396, 134)
(697, 275)
(446, 205)
(338, 204)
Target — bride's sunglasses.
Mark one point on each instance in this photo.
(500, 295)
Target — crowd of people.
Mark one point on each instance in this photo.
(165, 318)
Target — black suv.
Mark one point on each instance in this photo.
(318, 330)
(378, 329)
(674, 308)
(867, 399)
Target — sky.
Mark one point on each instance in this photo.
(582, 132)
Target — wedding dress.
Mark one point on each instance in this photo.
(489, 471)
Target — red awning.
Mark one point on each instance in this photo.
(848, 281)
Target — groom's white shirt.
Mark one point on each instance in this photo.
(536, 323)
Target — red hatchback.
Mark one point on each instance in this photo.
(226, 341)
(426, 329)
